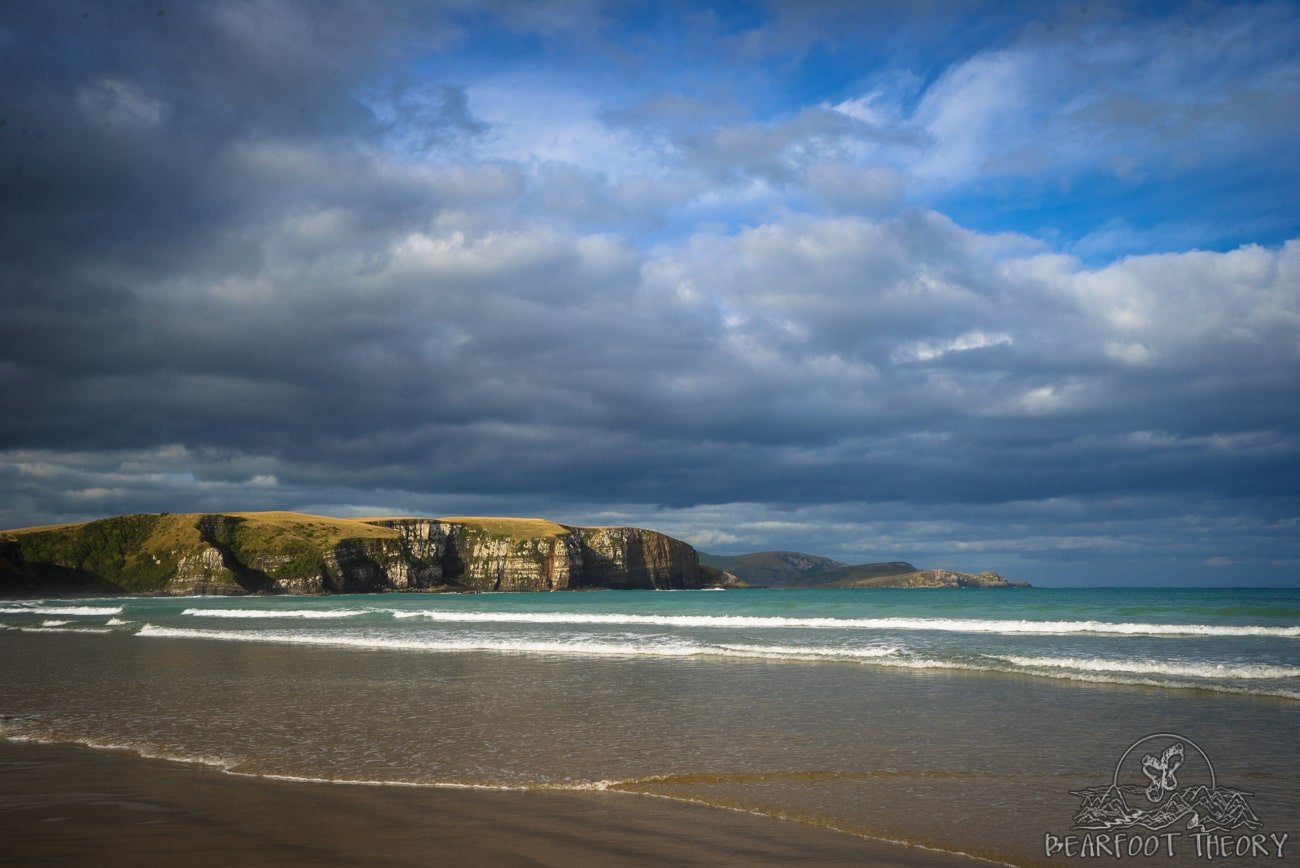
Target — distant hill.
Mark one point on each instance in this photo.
(765, 569)
(783, 569)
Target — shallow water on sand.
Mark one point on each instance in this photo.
(843, 709)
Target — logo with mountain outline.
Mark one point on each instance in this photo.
(1162, 780)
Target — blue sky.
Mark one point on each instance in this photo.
(977, 285)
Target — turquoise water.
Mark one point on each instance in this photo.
(1226, 640)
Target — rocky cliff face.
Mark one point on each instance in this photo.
(204, 572)
(626, 557)
(283, 553)
(575, 557)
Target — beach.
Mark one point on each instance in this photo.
(628, 728)
(76, 806)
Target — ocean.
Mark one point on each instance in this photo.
(972, 722)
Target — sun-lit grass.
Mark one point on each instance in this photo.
(142, 552)
(515, 529)
(319, 530)
(39, 528)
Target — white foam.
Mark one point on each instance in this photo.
(65, 630)
(887, 657)
(53, 623)
(1157, 667)
(1089, 677)
(951, 625)
(275, 613)
(803, 653)
(116, 622)
(61, 610)
(1100, 678)
(580, 648)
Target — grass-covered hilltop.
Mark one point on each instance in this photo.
(294, 553)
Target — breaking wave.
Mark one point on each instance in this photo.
(1069, 669)
(1157, 667)
(950, 625)
(276, 613)
(573, 647)
(61, 610)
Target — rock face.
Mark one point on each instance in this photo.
(625, 557)
(297, 554)
(473, 558)
(576, 557)
(204, 572)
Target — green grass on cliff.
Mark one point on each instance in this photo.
(140, 553)
(514, 529)
(132, 552)
(269, 528)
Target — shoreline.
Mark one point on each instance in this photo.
(81, 805)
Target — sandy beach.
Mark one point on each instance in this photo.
(69, 805)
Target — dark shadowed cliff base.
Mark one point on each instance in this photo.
(67, 805)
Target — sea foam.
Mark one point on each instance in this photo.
(61, 610)
(1157, 667)
(886, 657)
(950, 625)
(276, 613)
(559, 647)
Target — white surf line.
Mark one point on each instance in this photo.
(277, 613)
(1156, 667)
(883, 658)
(951, 625)
(61, 610)
(580, 648)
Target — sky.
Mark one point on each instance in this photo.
(1009, 286)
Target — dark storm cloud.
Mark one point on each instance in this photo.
(254, 259)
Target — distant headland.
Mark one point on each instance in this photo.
(293, 553)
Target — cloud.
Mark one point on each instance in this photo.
(336, 262)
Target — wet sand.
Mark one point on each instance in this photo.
(69, 805)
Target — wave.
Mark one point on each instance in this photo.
(64, 629)
(275, 613)
(54, 623)
(61, 610)
(1156, 667)
(950, 625)
(582, 648)
(117, 622)
(1102, 678)
(886, 657)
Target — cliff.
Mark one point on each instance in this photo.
(291, 553)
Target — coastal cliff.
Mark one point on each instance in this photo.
(291, 553)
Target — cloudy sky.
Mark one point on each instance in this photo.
(1006, 286)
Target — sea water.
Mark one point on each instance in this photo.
(957, 719)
